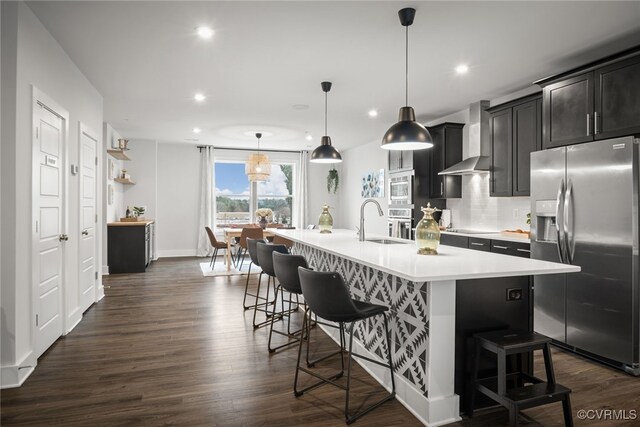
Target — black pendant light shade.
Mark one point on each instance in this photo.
(325, 152)
(407, 134)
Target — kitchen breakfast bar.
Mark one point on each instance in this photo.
(420, 291)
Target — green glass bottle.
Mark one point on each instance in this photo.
(428, 232)
(325, 222)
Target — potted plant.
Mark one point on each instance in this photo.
(263, 214)
(333, 181)
(138, 212)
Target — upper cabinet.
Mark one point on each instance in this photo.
(446, 152)
(598, 101)
(400, 160)
(515, 131)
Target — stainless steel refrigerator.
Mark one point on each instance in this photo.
(584, 211)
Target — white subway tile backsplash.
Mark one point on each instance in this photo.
(479, 211)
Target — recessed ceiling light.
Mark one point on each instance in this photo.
(199, 97)
(204, 32)
(196, 130)
(309, 137)
(373, 113)
(462, 69)
(300, 107)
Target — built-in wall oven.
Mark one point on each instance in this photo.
(401, 188)
(400, 219)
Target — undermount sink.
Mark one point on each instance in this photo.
(386, 242)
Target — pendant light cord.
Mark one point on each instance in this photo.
(406, 68)
(325, 114)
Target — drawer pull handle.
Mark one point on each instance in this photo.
(477, 244)
(501, 247)
(524, 250)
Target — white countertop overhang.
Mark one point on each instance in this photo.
(401, 260)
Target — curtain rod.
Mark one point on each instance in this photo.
(200, 147)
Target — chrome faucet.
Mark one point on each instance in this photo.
(361, 230)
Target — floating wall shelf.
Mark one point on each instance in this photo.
(124, 181)
(118, 154)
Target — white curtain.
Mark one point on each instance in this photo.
(301, 191)
(207, 205)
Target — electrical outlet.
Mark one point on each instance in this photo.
(514, 294)
(516, 213)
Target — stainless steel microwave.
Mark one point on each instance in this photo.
(401, 188)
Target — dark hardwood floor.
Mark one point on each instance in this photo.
(170, 347)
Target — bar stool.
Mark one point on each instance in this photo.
(285, 268)
(253, 255)
(328, 297)
(265, 258)
(530, 391)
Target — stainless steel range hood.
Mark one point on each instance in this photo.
(472, 165)
(478, 140)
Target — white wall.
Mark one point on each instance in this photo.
(41, 62)
(177, 199)
(357, 162)
(319, 196)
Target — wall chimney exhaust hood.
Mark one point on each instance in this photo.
(477, 150)
(472, 165)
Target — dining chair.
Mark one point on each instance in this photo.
(247, 232)
(216, 244)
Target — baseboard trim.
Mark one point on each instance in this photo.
(105, 270)
(74, 319)
(15, 375)
(430, 412)
(177, 253)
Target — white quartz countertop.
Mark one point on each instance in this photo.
(401, 260)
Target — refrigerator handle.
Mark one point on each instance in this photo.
(568, 223)
(559, 218)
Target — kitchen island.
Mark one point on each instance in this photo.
(420, 291)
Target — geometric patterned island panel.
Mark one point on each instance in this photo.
(408, 312)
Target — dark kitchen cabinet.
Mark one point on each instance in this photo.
(478, 244)
(519, 249)
(617, 99)
(446, 152)
(598, 101)
(129, 247)
(515, 131)
(501, 143)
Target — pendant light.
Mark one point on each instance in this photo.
(407, 134)
(258, 167)
(325, 152)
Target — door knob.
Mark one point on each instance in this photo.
(85, 232)
(63, 238)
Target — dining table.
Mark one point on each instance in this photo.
(231, 233)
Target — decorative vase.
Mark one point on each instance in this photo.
(428, 232)
(263, 222)
(325, 221)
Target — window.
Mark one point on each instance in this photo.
(277, 193)
(232, 194)
(237, 198)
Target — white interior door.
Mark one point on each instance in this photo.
(87, 251)
(49, 208)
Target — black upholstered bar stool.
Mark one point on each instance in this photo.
(530, 391)
(253, 255)
(265, 258)
(286, 269)
(327, 296)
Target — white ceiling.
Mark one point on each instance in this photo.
(266, 56)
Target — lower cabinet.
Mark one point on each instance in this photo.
(130, 248)
(520, 249)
